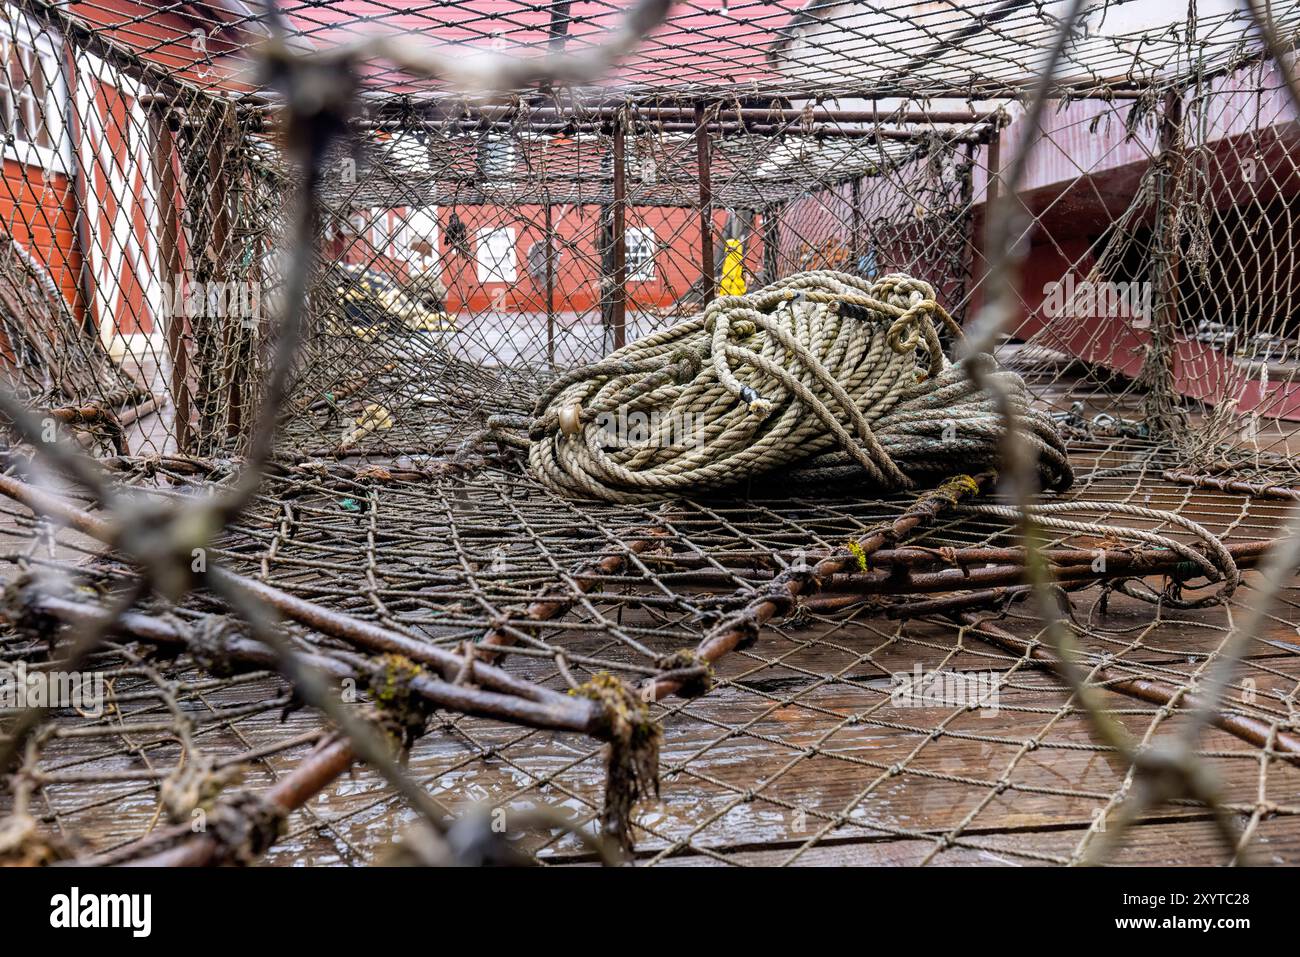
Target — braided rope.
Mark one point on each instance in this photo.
(822, 375)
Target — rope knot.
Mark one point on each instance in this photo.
(209, 642)
(244, 826)
(902, 290)
(633, 766)
(402, 712)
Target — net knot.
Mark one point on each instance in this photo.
(209, 641)
(22, 843)
(244, 825)
(195, 784)
(20, 606)
(695, 673)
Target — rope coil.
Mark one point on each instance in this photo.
(822, 375)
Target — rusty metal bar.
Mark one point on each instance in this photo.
(917, 557)
(708, 277)
(550, 711)
(855, 233)
(93, 416)
(843, 590)
(469, 130)
(81, 234)
(994, 181)
(330, 761)
(895, 573)
(552, 604)
(744, 625)
(823, 132)
(818, 114)
(221, 238)
(355, 631)
(1257, 489)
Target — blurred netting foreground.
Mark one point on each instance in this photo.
(468, 249)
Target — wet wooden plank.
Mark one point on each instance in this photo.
(1192, 843)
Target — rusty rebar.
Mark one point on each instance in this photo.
(743, 626)
(1251, 730)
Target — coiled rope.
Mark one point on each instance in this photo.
(822, 376)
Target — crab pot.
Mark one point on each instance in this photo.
(760, 672)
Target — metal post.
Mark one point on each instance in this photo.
(550, 283)
(991, 187)
(218, 205)
(981, 256)
(618, 295)
(558, 30)
(708, 276)
(855, 237)
(962, 297)
(771, 242)
(169, 251)
(1157, 373)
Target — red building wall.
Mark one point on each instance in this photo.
(39, 213)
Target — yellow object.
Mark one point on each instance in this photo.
(386, 305)
(733, 269)
(373, 418)
(427, 321)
